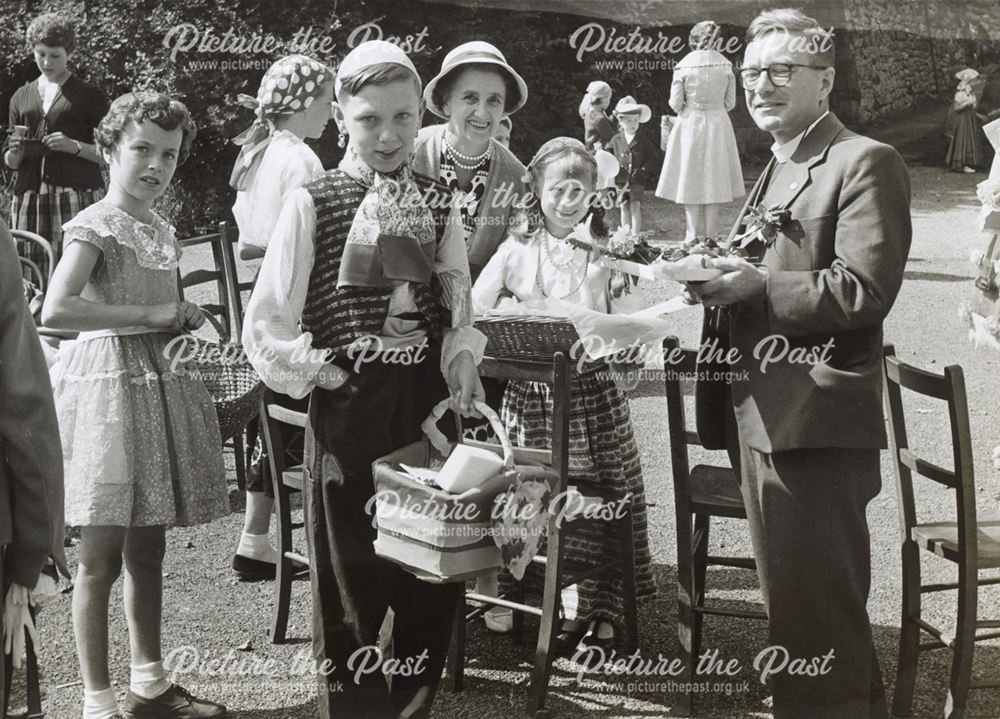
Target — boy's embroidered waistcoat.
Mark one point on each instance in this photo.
(338, 317)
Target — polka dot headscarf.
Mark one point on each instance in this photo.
(289, 86)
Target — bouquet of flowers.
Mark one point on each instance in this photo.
(628, 255)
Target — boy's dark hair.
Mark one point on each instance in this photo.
(444, 86)
(381, 73)
(53, 29)
(164, 111)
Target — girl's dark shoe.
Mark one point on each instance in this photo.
(568, 638)
(175, 703)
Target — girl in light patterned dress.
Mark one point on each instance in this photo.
(141, 443)
(541, 260)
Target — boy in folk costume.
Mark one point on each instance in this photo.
(361, 260)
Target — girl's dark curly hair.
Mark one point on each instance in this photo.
(164, 111)
(579, 163)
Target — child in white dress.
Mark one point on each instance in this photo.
(140, 437)
(549, 256)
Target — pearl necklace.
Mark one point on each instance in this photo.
(559, 266)
(467, 162)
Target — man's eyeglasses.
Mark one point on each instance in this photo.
(779, 74)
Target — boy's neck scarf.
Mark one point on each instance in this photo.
(392, 237)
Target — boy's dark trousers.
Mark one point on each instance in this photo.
(378, 410)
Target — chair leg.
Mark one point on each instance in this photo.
(549, 624)
(965, 645)
(627, 569)
(909, 635)
(282, 592)
(702, 524)
(517, 595)
(456, 650)
(685, 614)
(240, 460)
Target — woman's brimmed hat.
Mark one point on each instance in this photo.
(627, 105)
(475, 52)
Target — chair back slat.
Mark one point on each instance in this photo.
(928, 469)
(950, 388)
(285, 415)
(229, 306)
(45, 276)
(524, 370)
(916, 380)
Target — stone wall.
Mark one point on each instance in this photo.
(895, 55)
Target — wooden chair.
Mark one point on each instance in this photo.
(286, 480)
(559, 573)
(40, 276)
(228, 309)
(700, 493)
(970, 543)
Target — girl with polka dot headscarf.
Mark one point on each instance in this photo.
(292, 104)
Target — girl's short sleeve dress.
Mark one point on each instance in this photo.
(141, 443)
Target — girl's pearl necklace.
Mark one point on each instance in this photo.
(561, 266)
(467, 162)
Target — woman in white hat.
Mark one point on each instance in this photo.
(701, 169)
(475, 89)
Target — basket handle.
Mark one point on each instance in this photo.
(214, 321)
(440, 442)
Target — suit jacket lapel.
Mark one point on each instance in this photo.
(797, 174)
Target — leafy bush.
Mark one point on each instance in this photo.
(121, 47)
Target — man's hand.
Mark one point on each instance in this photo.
(464, 384)
(741, 281)
(17, 619)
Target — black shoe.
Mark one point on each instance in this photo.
(175, 703)
(250, 570)
(567, 640)
(253, 569)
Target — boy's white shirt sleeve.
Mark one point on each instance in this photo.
(451, 263)
(281, 353)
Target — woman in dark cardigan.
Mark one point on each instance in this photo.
(52, 146)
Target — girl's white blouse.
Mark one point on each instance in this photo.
(288, 163)
(514, 270)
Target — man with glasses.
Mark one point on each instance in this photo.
(829, 225)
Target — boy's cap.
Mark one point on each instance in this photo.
(627, 105)
(476, 51)
(372, 52)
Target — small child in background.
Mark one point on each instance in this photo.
(545, 257)
(598, 128)
(140, 438)
(965, 151)
(638, 158)
(504, 128)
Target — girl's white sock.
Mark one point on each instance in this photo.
(100, 704)
(148, 680)
(257, 546)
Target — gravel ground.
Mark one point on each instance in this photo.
(225, 622)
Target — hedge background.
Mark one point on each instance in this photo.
(120, 47)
